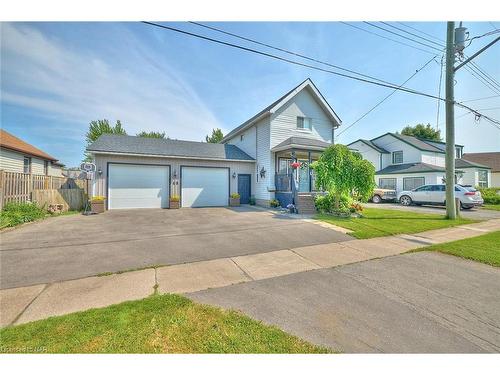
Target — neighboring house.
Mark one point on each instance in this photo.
(253, 159)
(405, 162)
(19, 156)
(490, 159)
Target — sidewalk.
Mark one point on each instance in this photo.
(25, 304)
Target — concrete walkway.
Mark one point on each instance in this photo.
(25, 304)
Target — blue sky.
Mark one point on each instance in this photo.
(57, 77)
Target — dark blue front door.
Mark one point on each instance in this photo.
(244, 188)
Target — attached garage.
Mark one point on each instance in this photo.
(138, 186)
(204, 186)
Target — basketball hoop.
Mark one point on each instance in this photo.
(89, 169)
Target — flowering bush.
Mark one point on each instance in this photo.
(355, 207)
(295, 165)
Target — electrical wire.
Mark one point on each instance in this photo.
(284, 50)
(383, 100)
(422, 32)
(439, 92)
(387, 38)
(404, 37)
(484, 98)
(392, 86)
(413, 34)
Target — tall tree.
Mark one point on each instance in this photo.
(152, 134)
(98, 128)
(342, 172)
(216, 136)
(422, 131)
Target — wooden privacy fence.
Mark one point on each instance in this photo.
(70, 199)
(19, 187)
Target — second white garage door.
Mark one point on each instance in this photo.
(138, 186)
(204, 187)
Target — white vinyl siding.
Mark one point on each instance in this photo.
(54, 170)
(138, 186)
(284, 120)
(264, 160)
(367, 153)
(391, 144)
(247, 143)
(410, 183)
(204, 187)
(11, 161)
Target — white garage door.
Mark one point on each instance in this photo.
(138, 186)
(204, 187)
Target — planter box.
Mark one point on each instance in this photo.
(98, 207)
(234, 202)
(174, 204)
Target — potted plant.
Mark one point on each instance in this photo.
(97, 204)
(175, 201)
(274, 203)
(234, 200)
(252, 201)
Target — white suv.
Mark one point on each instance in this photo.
(436, 195)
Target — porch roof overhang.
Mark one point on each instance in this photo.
(300, 143)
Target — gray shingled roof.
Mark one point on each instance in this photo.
(418, 143)
(300, 141)
(166, 147)
(372, 145)
(462, 163)
(410, 168)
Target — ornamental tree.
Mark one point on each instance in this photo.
(342, 172)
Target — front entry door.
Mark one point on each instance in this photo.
(244, 188)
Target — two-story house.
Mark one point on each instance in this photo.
(254, 159)
(405, 162)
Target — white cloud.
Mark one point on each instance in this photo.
(73, 85)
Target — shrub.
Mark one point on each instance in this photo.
(235, 196)
(274, 203)
(17, 213)
(175, 198)
(490, 195)
(251, 201)
(326, 203)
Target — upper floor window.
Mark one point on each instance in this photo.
(304, 123)
(242, 137)
(46, 167)
(458, 152)
(397, 157)
(27, 165)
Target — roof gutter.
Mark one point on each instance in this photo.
(167, 156)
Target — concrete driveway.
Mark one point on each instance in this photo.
(71, 247)
(413, 303)
(473, 213)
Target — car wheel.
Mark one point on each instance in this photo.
(405, 200)
(465, 207)
(376, 199)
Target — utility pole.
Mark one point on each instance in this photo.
(450, 122)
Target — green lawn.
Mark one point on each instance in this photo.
(495, 207)
(483, 248)
(157, 324)
(382, 222)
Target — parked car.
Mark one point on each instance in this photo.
(380, 195)
(436, 195)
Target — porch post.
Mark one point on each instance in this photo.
(309, 170)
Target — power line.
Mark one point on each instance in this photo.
(413, 34)
(485, 98)
(384, 99)
(284, 50)
(392, 86)
(481, 79)
(439, 92)
(422, 32)
(387, 38)
(485, 74)
(402, 36)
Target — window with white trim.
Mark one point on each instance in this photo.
(397, 157)
(387, 183)
(458, 152)
(410, 183)
(304, 123)
(27, 165)
(482, 178)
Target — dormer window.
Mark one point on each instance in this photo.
(458, 152)
(304, 123)
(397, 157)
